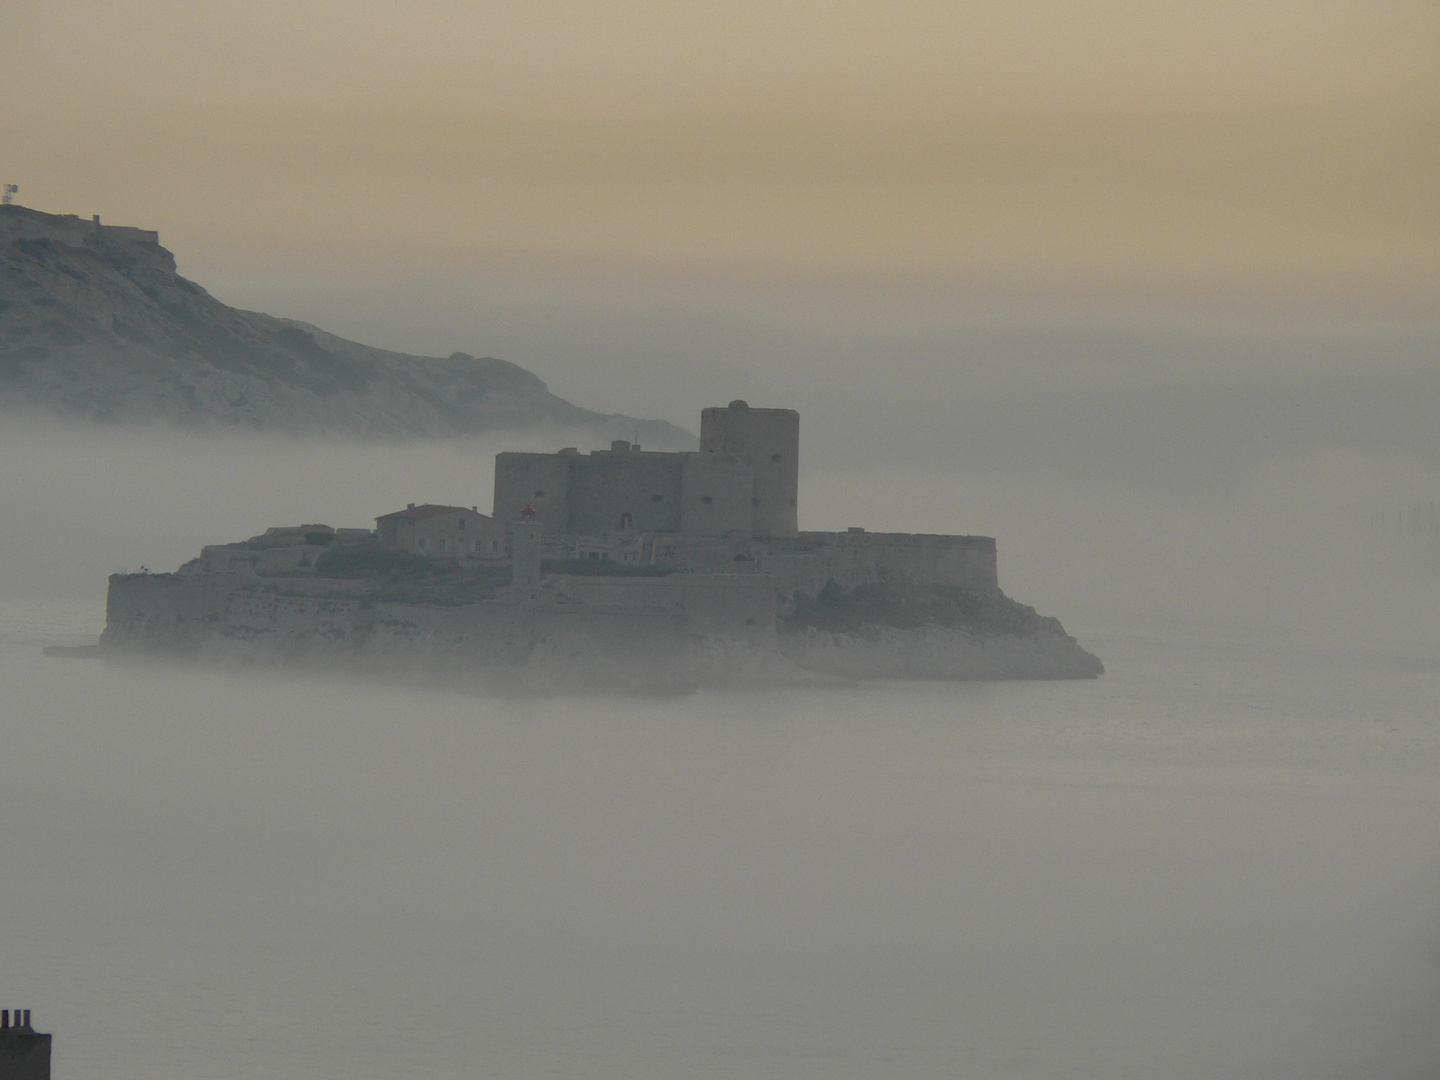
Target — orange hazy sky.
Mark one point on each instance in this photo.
(1257, 147)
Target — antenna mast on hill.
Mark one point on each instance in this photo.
(9, 196)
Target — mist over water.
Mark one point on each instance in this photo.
(1222, 858)
(1219, 859)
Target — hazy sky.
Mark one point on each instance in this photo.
(577, 187)
(1134, 146)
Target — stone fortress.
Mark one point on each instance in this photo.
(731, 506)
(742, 482)
(616, 568)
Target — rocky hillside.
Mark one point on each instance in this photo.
(95, 323)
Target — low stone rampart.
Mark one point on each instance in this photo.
(852, 559)
(529, 645)
(713, 605)
(165, 611)
(622, 633)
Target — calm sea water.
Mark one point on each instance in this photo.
(1220, 860)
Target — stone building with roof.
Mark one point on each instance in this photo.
(442, 532)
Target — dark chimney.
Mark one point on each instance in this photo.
(24, 1052)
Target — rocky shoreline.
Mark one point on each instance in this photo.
(513, 644)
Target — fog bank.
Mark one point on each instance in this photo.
(1295, 533)
(1213, 861)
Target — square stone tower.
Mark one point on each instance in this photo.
(770, 438)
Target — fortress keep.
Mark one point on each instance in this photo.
(730, 507)
(742, 482)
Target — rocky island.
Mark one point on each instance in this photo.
(621, 569)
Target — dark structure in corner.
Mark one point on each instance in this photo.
(24, 1052)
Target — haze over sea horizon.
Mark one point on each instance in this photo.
(1145, 291)
(1220, 858)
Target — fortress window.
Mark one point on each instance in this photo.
(775, 459)
(706, 499)
(423, 542)
(461, 526)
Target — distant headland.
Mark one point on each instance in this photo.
(621, 569)
(95, 324)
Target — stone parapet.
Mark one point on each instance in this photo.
(855, 558)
